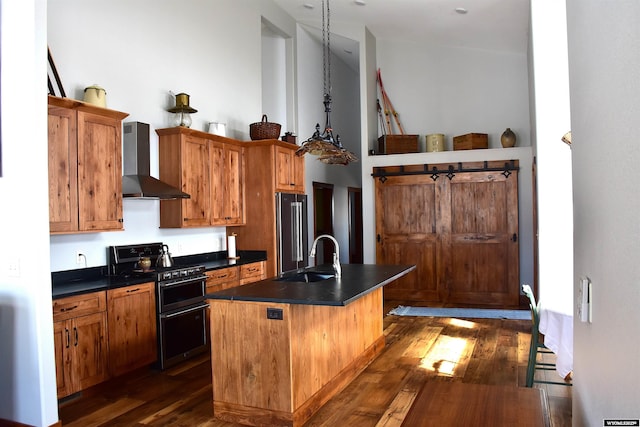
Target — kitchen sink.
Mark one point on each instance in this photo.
(306, 277)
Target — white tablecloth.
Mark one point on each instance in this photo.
(558, 337)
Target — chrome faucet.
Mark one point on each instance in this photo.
(336, 254)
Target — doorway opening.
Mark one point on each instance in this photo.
(323, 220)
(355, 225)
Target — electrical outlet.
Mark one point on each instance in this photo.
(79, 256)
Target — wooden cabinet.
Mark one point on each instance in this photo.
(459, 227)
(210, 169)
(227, 189)
(271, 167)
(85, 167)
(289, 170)
(131, 313)
(253, 272)
(80, 338)
(221, 279)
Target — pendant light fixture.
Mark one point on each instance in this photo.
(323, 144)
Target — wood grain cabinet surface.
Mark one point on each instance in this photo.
(131, 313)
(80, 338)
(85, 167)
(209, 168)
(271, 167)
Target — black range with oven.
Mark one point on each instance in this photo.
(180, 304)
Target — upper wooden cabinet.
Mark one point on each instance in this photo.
(210, 169)
(272, 167)
(289, 170)
(85, 167)
(227, 189)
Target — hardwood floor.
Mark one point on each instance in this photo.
(418, 349)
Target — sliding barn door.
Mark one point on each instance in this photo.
(407, 234)
(459, 227)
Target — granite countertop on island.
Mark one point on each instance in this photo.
(356, 281)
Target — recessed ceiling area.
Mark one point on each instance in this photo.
(498, 25)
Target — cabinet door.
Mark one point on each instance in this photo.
(227, 184)
(284, 169)
(218, 197)
(99, 172)
(196, 182)
(234, 184)
(62, 343)
(63, 173)
(298, 173)
(89, 357)
(132, 327)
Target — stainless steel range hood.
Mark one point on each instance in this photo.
(137, 181)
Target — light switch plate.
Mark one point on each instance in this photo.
(584, 300)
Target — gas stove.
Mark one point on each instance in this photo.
(180, 304)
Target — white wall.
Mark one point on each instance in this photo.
(604, 63)
(550, 77)
(345, 119)
(209, 50)
(454, 91)
(27, 370)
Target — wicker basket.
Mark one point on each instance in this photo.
(264, 129)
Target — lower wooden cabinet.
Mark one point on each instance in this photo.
(253, 272)
(131, 312)
(220, 279)
(80, 337)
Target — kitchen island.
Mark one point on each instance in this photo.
(281, 349)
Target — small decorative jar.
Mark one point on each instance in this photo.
(145, 263)
(508, 138)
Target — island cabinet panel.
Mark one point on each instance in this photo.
(85, 167)
(461, 232)
(277, 364)
(131, 313)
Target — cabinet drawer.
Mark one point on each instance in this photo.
(223, 275)
(79, 305)
(252, 272)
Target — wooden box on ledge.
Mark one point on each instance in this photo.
(396, 144)
(470, 141)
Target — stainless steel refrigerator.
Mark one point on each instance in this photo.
(292, 235)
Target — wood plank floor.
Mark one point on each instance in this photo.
(418, 349)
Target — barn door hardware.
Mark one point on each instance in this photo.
(448, 169)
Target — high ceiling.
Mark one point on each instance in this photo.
(499, 25)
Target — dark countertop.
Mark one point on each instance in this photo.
(357, 280)
(82, 281)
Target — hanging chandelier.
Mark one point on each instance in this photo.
(323, 144)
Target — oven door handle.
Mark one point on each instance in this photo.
(170, 315)
(182, 282)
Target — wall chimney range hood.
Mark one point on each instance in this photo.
(137, 181)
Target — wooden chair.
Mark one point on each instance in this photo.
(537, 346)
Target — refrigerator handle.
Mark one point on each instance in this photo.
(296, 241)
